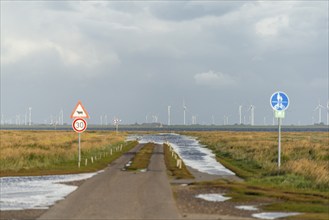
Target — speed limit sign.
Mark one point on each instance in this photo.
(79, 125)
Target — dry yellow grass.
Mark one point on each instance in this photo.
(30, 149)
(303, 153)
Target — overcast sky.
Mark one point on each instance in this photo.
(133, 59)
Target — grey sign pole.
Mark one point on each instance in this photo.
(79, 160)
(279, 144)
(279, 102)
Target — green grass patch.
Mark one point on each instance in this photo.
(142, 158)
(173, 170)
(240, 167)
(313, 204)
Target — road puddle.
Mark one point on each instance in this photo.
(247, 207)
(212, 197)
(36, 192)
(274, 215)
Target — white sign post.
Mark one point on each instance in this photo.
(279, 103)
(79, 125)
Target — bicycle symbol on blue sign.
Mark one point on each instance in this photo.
(279, 101)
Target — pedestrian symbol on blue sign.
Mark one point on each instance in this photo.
(279, 101)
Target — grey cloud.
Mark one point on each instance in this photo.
(214, 79)
(58, 5)
(146, 55)
(188, 10)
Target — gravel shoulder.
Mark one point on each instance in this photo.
(22, 214)
(194, 208)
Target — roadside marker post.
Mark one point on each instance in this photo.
(279, 102)
(79, 125)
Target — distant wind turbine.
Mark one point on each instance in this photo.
(194, 122)
(184, 108)
(226, 117)
(240, 114)
(30, 116)
(105, 119)
(169, 119)
(319, 107)
(328, 112)
(252, 114)
(264, 120)
(116, 122)
(61, 117)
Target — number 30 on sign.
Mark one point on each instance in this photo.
(79, 125)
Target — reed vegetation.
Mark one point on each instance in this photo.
(24, 151)
(254, 155)
(301, 184)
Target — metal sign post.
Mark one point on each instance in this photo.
(79, 125)
(279, 144)
(279, 103)
(79, 148)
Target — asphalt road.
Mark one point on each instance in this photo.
(117, 194)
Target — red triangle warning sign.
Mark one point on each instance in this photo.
(79, 111)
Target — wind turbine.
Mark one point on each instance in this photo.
(264, 120)
(30, 116)
(252, 114)
(116, 122)
(105, 119)
(169, 107)
(226, 117)
(328, 112)
(319, 107)
(194, 120)
(240, 114)
(61, 117)
(184, 108)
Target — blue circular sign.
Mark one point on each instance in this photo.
(279, 101)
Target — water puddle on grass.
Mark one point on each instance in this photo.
(212, 197)
(190, 150)
(247, 207)
(36, 192)
(274, 215)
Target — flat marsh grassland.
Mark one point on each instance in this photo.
(255, 154)
(52, 152)
(302, 183)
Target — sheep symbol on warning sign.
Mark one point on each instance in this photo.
(79, 111)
